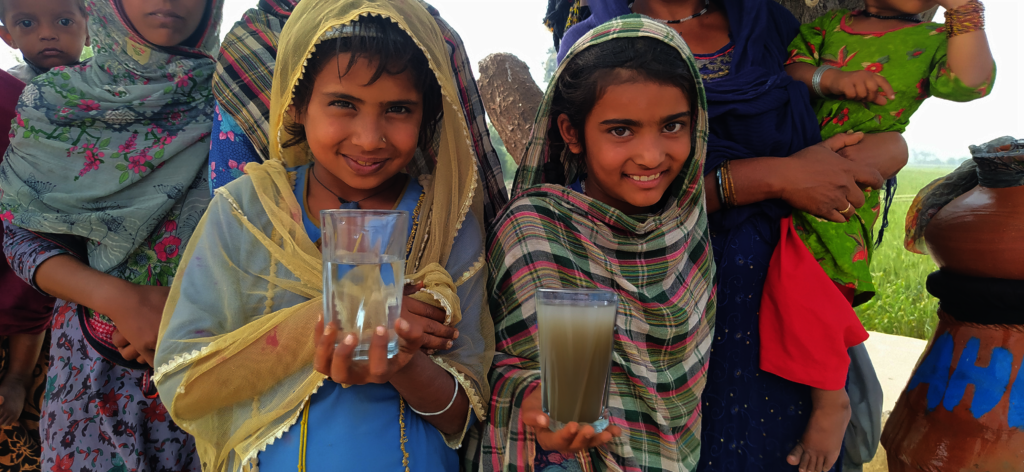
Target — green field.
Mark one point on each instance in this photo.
(902, 305)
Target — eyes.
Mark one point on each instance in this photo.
(670, 128)
(65, 22)
(395, 110)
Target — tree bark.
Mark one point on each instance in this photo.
(511, 99)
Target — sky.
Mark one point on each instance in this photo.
(939, 127)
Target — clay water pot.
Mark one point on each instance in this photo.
(963, 409)
(981, 234)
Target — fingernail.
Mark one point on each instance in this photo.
(456, 334)
(380, 331)
(430, 352)
(449, 344)
(320, 318)
(350, 340)
(403, 324)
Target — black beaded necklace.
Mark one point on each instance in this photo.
(910, 18)
(342, 201)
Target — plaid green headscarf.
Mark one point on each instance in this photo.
(661, 266)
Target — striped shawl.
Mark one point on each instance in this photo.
(661, 266)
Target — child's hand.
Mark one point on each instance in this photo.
(860, 85)
(336, 361)
(568, 440)
(436, 336)
(12, 400)
(138, 324)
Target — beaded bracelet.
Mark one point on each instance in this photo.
(966, 18)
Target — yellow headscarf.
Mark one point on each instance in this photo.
(235, 369)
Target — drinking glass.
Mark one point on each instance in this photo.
(364, 272)
(576, 328)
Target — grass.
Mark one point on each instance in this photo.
(901, 305)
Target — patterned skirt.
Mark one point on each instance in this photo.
(19, 443)
(97, 415)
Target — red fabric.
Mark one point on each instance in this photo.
(23, 310)
(806, 322)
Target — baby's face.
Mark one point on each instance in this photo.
(49, 33)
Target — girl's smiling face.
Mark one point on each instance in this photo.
(637, 139)
(165, 23)
(362, 133)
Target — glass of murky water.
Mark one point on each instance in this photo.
(364, 272)
(576, 328)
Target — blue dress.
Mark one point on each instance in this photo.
(357, 428)
(230, 151)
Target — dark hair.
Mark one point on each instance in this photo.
(393, 51)
(589, 73)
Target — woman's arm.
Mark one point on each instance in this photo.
(135, 309)
(815, 180)
(429, 388)
(885, 152)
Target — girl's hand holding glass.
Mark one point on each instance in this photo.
(568, 440)
(334, 351)
(436, 336)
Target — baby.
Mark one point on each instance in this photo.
(868, 71)
(49, 33)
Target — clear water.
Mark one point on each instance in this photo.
(364, 291)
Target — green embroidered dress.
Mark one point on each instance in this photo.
(913, 60)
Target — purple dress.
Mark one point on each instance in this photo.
(96, 415)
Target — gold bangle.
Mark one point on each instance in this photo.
(966, 18)
(730, 189)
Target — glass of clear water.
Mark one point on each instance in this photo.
(364, 272)
(576, 329)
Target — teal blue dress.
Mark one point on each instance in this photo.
(357, 428)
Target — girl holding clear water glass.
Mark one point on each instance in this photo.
(364, 115)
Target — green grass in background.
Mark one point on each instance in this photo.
(902, 306)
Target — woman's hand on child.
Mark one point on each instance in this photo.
(568, 440)
(861, 85)
(336, 361)
(822, 183)
(12, 400)
(138, 321)
(436, 336)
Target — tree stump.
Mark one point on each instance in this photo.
(511, 99)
